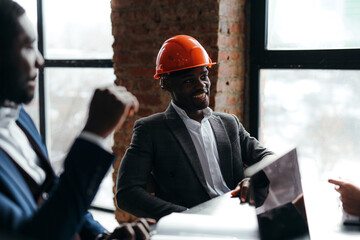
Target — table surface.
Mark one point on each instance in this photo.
(322, 207)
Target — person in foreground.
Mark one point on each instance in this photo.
(349, 195)
(191, 153)
(34, 202)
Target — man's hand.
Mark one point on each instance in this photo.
(242, 189)
(139, 230)
(349, 195)
(109, 109)
(299, 204)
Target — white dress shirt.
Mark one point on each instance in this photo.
(16, 144)
(205, 144)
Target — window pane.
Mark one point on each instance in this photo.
(318, 112)
(69, 92)
(77, 29)
(313, 24)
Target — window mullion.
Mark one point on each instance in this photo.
(42, 102)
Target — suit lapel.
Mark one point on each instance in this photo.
(224, 149)
(178, 128)
(27, 125)
(10, 174)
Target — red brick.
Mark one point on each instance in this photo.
(117, 17)
(234, 85)
(148, 99)
(163, 3)
(123, 57)
(145, 111)
(229, 41)
(233, 56)
(237, 28)
(117, 4)
(140, 71)
(208, 41)
(226, 70)
(229, 9)
(118, 30)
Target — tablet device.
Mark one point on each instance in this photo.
(280, 207)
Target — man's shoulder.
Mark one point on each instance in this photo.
(230, 121)
(222, 114)
(151, 119)
(225, 116)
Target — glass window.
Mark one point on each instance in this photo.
(69, 91)
(313, 24)
(318, 112)
(70, 35)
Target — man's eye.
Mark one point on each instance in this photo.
(204, 77)
(188, 81)
(29, 46)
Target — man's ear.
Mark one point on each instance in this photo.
(165, 84)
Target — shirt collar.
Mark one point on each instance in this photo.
(8, 112)
(206, 111)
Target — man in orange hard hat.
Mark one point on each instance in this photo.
(191, 153)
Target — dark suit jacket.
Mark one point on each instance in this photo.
(65, 211)
(162, 149)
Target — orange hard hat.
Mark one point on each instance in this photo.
(181, 52)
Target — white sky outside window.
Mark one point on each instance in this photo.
(317, 111)
(69, 94)
(78, 29)
(313, 24)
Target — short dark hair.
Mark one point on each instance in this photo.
(10, 11)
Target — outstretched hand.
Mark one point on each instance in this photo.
(349, 195)
(109, 109)
(139, 230)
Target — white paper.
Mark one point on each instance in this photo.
(195, 226)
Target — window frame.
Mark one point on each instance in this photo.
(262, 58)
(56, 63)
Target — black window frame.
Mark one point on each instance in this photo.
(262, 58)
(57, 63)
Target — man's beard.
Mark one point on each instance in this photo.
(14, 90)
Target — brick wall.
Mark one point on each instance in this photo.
(140, 27)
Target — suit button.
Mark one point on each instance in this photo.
(45, 195)
(172, 174)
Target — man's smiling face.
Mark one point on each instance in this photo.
(190, 89)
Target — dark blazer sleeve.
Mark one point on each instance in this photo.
(251, 149)
(65, 211)
(246, 150)
(133, 175)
